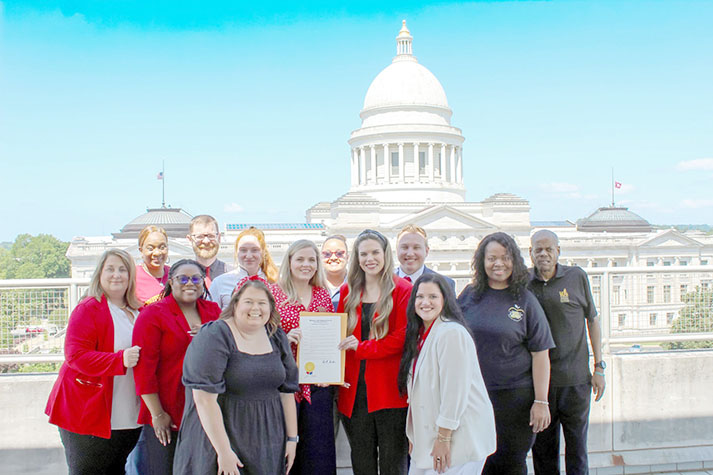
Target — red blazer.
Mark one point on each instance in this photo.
(382, 357)
(81, 398)
(162, 333)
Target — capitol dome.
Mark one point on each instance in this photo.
(614, 219)
(405, 82)
(174, 221)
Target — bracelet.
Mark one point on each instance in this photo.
(294, 439)
(160, 415)
(599, 373)
(537, 401)
(443, 438)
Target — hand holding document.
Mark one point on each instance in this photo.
(318, 358)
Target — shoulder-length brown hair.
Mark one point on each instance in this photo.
(273, 323)
(95, 289)
(267, 265)
(356, 280)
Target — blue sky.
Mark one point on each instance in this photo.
(251, 106)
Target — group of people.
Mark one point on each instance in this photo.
(190, 369)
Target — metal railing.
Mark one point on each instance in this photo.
(636, 305)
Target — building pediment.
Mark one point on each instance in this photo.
(670, 238)
(442, 218)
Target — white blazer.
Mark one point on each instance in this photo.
(447, 390)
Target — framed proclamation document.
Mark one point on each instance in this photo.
(318, 359)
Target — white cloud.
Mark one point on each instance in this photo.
(233, 208)
(697, 204)
(697, 164)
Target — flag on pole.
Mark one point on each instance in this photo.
(159, 176)
(617, 185)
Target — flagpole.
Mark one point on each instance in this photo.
(612, 187)
(163, 184)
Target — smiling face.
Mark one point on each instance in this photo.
(334, 256)
(371, 257)
(249, 254)
(252, 310)
(303, 264)
(114, 279)
(188, 293)
(154, 250)
(411, 251)
(429, 302)
(205, 239)
(498, 265)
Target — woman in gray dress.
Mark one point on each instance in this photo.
(240, 379)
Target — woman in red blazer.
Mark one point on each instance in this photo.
(373, 411)
(165, 329)
(94, 401)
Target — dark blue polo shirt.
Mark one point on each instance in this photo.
(505, 331)
(567, 301)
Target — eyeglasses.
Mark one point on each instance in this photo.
(184, 279)
(340, 254)
(200, 237)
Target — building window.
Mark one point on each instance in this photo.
(650, 293)
(683, 263)
(704, 262)
(667, 294)
(705, 285)
(652, 319)
(622, 320)
(437, 164)
(669, 318)
(650, 263)
(422, 163)
(617, 298)
(684, 290)
(394, 163)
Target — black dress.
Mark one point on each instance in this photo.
(248, 388)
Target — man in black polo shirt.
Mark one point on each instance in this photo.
(564, 294)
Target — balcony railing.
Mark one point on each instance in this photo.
(636, 305)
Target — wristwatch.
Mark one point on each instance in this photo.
(293, 439)
(601, 364)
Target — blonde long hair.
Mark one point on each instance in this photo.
(285, 280)
(356, 280)
(267, 265)
(95, 289)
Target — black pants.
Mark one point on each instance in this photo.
(514, 434)
(159, 458)
(316, 452)
(569, 407)
(377, 439)
(91, 455)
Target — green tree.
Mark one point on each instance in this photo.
(695, 317)
(35, 257)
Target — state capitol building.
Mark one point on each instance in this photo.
(406, 164)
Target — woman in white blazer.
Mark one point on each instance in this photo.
(450, 423)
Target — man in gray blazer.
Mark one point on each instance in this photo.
(412, 250)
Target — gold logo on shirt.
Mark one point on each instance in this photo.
(515, 313)
(564, 296)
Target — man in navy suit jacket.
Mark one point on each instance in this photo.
(412, 250)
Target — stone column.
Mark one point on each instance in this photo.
(402, 165)
(373, 164)
(453, 164)
(459, 168)
(355, 167)
(417, 163)
(362, 166)
(387, 164)
(443, 163)
(430, 166)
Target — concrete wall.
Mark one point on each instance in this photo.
(657, 412)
